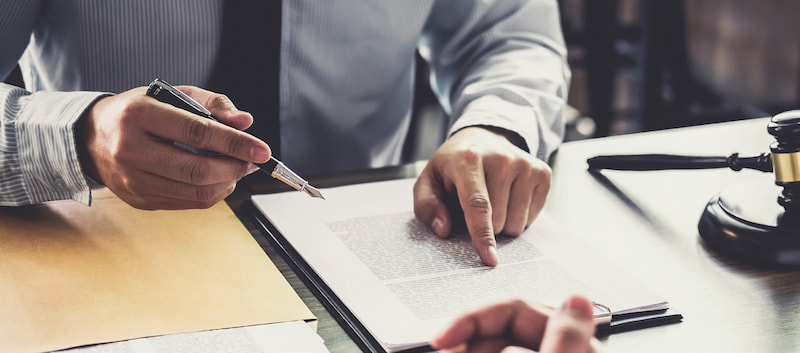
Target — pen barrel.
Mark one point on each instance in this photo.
(645, 162)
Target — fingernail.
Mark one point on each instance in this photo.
(576, 307)
(438, 226)
(259, 154)
(490, 254)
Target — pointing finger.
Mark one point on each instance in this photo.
(474, 199)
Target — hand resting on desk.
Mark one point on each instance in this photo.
(127, 144)
(516, 326)
(501, 188)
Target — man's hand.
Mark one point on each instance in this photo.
(500, 188)
(127, 144)
(516, 326)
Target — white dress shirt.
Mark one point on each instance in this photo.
(346, 81)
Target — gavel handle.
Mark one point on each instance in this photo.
(643, 162)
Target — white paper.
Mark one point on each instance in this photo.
(405, 284)
(284, 337)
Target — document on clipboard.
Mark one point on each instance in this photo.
(398, 284)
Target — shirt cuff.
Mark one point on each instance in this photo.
(496, 112)
(47, 147)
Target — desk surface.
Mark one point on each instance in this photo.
(647, 223)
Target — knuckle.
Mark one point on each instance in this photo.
(470, 155)
(205, 193)
(543, 179)
(423, 205)
(210, 195)
(219, 100)
(544, 173)
(132, 111)
(206, 204)
(505, 161)
(233, 144)
(523, 165)
(138, 203)
(197, 172)
(484, 239)
(480, 203)
(133, 185)
(537, 174)
(196, 132)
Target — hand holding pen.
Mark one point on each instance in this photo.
(166, 93)
(127, 142)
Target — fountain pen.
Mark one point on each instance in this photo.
(164, 92)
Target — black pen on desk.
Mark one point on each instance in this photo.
(164, 92)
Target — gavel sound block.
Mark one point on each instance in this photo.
(752, 222)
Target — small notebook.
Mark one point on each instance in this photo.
(397, 284)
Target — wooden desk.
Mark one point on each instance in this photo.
(647, 222)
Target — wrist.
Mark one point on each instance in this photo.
(84, 137)
(510, 136)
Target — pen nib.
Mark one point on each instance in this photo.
(313, 192)
(280, 171)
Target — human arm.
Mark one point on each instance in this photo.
(520, 327)
(125, 142)
(38, 159)
(500, 71)
(44, 155)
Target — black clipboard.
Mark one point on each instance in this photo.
(363, 338)
(357, 332)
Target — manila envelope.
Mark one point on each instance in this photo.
(74, 275)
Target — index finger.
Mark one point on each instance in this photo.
(473, 196)
(221, 107)
(177, 125)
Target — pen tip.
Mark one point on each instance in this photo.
(313, 192)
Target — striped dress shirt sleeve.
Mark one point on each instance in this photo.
(38, 157)
(38, 160)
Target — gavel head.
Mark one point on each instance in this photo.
(785, 154)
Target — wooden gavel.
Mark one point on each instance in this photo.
(783, 159)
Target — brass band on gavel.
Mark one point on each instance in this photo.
(786, 166)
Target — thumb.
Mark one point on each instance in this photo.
(223, 109)
(220, 106)
(429, 205)
(571, 328)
